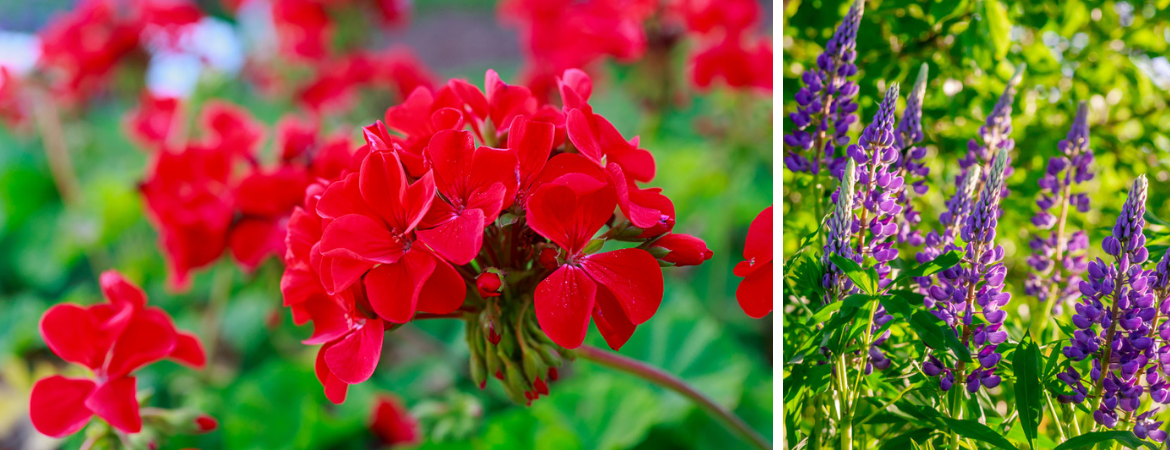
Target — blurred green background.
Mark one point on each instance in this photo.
(260, 383)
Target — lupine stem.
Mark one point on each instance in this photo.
(1057, 261)
(655, 375)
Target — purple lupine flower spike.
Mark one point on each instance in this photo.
(977, 282)
(1122, 347)
(995, 134)
(840, 225)
(825, 105)
(910, 162)
(1059, 259)
(874, 154)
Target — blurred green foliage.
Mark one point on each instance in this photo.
(261, 385)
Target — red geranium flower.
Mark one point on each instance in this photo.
(620, 289)
(371, 241)
(151, 122)
(113, 340)
(738, 63)
(755, 291)
(476, 183)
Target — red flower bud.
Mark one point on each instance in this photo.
(552, 374)
(489, 284)
(540, 386)
(548, 258)
(206, 423)
(683, 249)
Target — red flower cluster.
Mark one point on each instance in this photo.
(214, 194)
(82, 48)
(392, 423)
(428, 209)
(113, 340)
(755, 291)
(305, 28)
(558, 35)
(397, 69)
(730, 45)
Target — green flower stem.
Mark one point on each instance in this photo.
(656, 376)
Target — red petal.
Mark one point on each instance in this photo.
(458, 239)
(188, 350)
(758, 247)
(393, 289)
(340, 269)
(569, 210)
(329, 319)
(71, 332)
(563, 303)
(57, 405)
(343, 197)
(383, 186)
(252, 240)
(506, 101)
(642, 216)
(583, 137)
(493, 166)
(118, 290)
(335, 389)
(491, 200)
(755, 292)
(364, 236)
(298, 283)
(149, 337)
(532, 142)
(611, 320)
(451, 154)
(413, 116)
(117, 403)
(443, 291)
(633, 276)
(355, 357)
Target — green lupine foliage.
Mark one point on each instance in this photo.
(1109, 54)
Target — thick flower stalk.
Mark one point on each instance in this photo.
(1059, 259)
(910, 162)
(432, 220)
(995, 134)
(825, 105)
(976, 283)
(1122, 347)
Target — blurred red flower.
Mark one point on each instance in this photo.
(113, 340)
(392, 422)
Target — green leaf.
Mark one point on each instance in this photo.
(977, 431)
(865, 279)
(926, 325)
(1029, 396)
(936, 334)
(998, 26)
(938, 264)
(898, 303)
(1087, 440)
